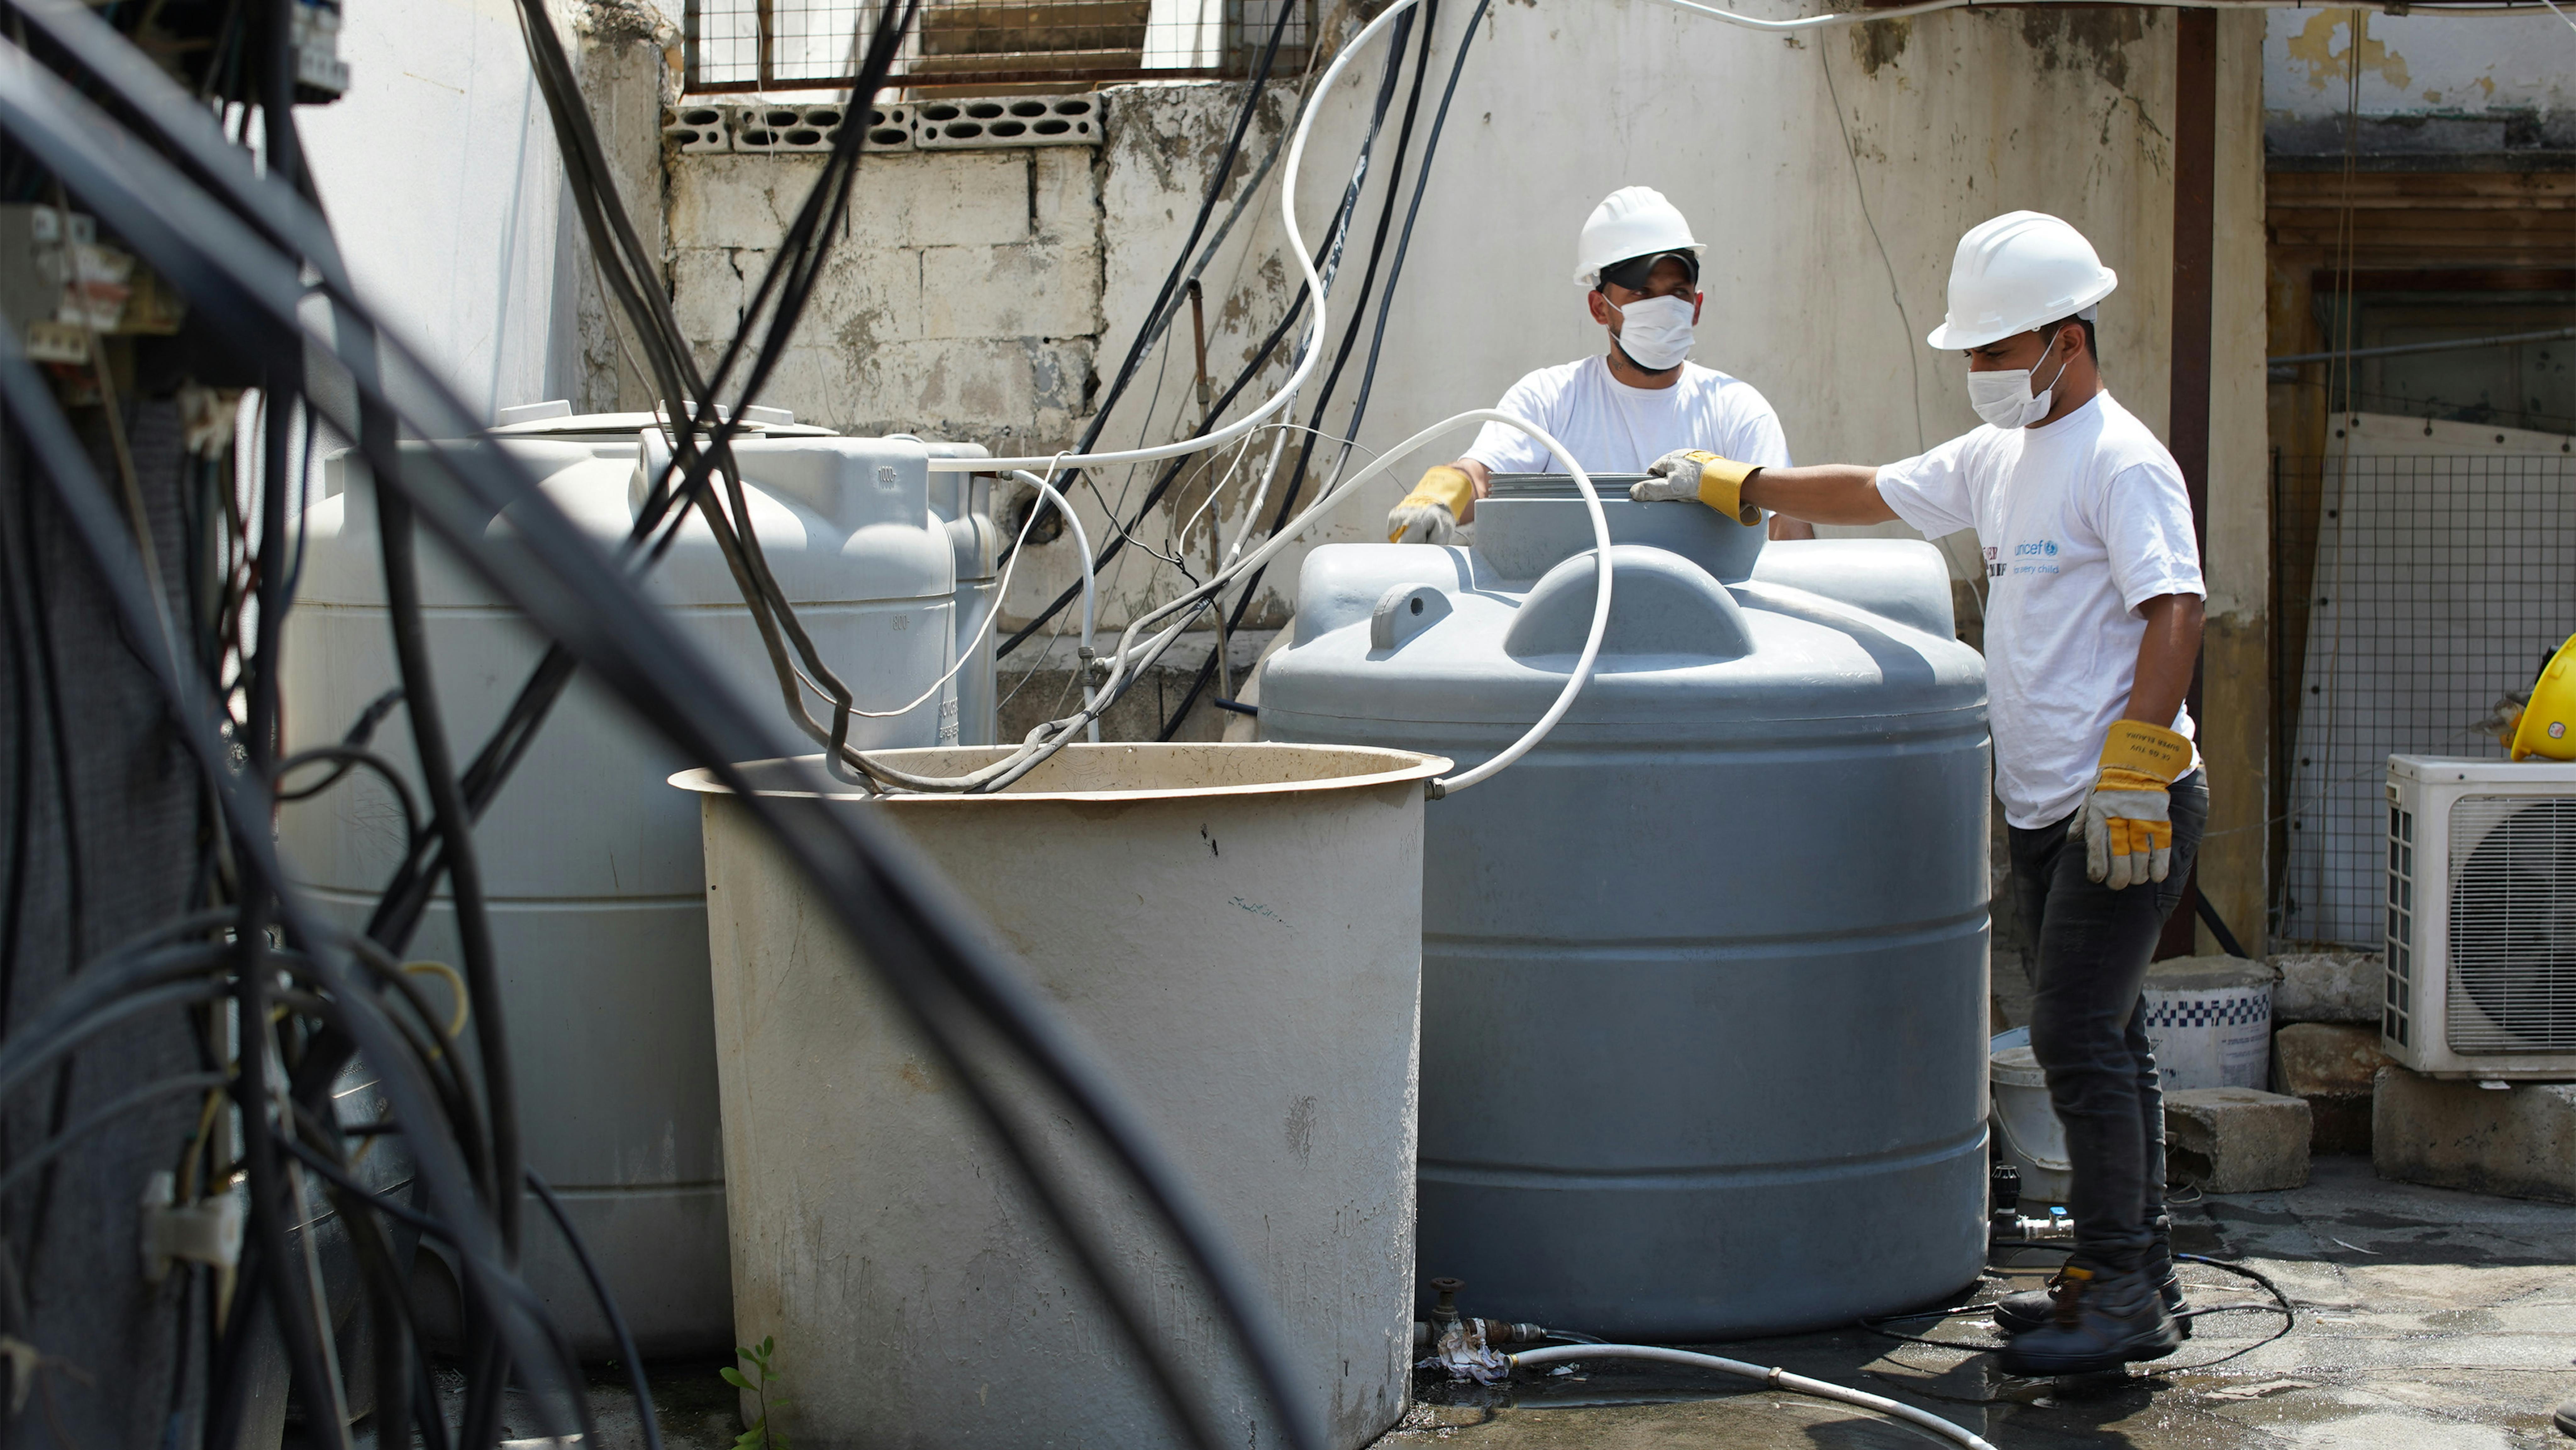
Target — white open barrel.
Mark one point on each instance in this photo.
(1236, 931)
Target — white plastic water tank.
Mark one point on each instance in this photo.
(591, 863)
(964, 503)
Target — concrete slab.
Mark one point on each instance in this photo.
(2236, 1140)
(2427, 1319)
(2333, 1065)
(2519, 1140)
(2328, 986)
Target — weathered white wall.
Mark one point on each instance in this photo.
(441, 175)
(1830, 173)
(2417, 64)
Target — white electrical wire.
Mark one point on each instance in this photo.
(1130, 653)
(965, 655)
(1318, 325)
(1778, 1379)
(1082, 548)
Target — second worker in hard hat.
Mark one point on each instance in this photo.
(2093, 619)
(1621, 409)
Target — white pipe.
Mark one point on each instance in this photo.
(1082, 546)
(1019, 549)
(1318, 325)
(1449, 785)
(1778, 1379)
(1129, 652)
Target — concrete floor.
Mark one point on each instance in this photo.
(2426, 1320)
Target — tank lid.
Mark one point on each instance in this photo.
(1560, 485)
(1528, 523)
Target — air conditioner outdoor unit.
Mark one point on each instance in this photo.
(2481, 917)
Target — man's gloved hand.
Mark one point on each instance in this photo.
(1429, 514)
(2127, 819)
(1696, 473)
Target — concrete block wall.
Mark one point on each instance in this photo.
(962, 301)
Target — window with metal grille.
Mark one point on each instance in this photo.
(2512, 925)
(2420, 589)
(987, 46)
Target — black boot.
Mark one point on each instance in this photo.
(2100, 1319)
(2565, 1418)
(2029, 1309)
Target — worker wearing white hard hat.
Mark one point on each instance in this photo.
(2093, 619)
(1620, 409)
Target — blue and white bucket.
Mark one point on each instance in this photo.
(2210, 1019)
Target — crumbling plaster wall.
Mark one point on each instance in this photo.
(1830, 174)
(2426, 64)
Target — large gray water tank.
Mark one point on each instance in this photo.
(590, 862)
(1704, 975)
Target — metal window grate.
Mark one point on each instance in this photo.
(2512, 925)
(968, 46)
(2436, 584)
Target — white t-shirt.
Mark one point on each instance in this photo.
(1611, 427)
(2081, 522)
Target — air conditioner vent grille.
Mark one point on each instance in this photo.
(2512, 925)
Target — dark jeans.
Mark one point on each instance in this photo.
(2087, 1021)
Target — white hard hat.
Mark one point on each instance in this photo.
(2021, 271)
(1634, 221)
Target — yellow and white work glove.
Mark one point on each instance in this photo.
(1429, 514)
(1696, 473)
(2127, 819)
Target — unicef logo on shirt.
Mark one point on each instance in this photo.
(2036, 557)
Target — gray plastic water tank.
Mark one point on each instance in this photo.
(1704, 976)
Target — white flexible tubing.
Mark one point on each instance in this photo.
(1082, 542)
(1000, 593)
(1128, 651)
(1778, 1379)
(1574, 683)
(1312, 350)
(1600, 603)
(1316, 329)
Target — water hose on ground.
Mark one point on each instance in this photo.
(1778, 1379)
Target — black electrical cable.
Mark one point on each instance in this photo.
(1167, 298)
(1326, 260)
(1386, 301)
(607, 1301)
(63, 465)
(556, 578)
(464, 872)
(1166, 306)
(1027, 1033)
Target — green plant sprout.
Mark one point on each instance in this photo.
(758, 1435)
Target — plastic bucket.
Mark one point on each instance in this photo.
(2210, 1019)
(1236, 930)
(2026, 1128)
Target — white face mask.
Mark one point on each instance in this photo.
(1655, 332)
(2004, 398)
